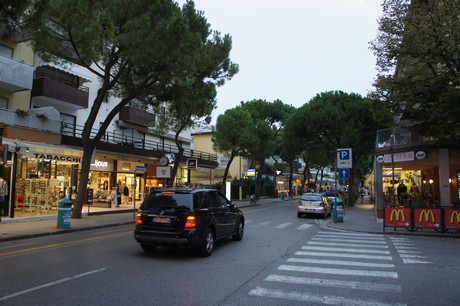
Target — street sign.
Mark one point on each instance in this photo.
(344, 173)
(192, 163)
(344, 158)
(141, 169)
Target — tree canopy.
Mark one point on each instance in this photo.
(152, 50)
(418, 60)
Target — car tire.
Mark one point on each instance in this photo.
(148, 247)
(299, 215)
(207, 246)
(240, 232)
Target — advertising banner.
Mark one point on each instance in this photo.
(427, 218)
(452, 219)
(397, 217)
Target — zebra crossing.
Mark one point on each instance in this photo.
(408, 252)
(285, 225)
(336, 268)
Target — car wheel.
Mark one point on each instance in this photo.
(239, 234)
(207, 246)
(299, 215)
(148, 248)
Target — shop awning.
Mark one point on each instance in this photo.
(30, 149)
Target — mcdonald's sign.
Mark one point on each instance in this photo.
(397, 217)
(427, 218)
(452, 219)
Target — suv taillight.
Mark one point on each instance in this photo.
(139, 218)
(190, 222)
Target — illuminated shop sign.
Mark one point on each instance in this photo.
(63, 158)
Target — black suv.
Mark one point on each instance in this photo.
(187, 217)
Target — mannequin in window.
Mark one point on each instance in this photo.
(3, 197)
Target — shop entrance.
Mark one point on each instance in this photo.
(131, 187)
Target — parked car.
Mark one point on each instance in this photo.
(314, 203)
(187, 217)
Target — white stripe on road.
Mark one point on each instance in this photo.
(360, 256)
(342, 262)
(6, 297)
(312, 248)
(283, 225)
(265, 223)
(349, 240)
(362, 235)
(347, 244)
(314, 298)
(338, 271)
(304, 226)
(334, 283)
(407, 251)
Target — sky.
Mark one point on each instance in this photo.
(292, 50)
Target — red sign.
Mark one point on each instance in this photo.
(427, 218)
(452, 219)
(397, 217)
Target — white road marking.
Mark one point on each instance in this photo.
(345, 250)
(338, 271)
(304, 226)
(51, 284)
(313, 298)
(363, 235)
(348, 240)
(283, 225)
(326, 254)
(347, 244)
(342, 262)
(334, 283)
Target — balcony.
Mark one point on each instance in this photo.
(400, 138)
(136, 116)
(50, 90)
(15, 75)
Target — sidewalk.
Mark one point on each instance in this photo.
(360, 218)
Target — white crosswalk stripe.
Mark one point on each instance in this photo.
(339, 261)
(408, 252)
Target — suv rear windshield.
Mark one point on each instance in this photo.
(179, 200)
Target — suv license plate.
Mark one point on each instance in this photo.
(161, 220)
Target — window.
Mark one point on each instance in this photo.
(3, 102)
(6, 51)
(68, 124)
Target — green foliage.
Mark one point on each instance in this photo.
(151, 50)
(418, 57)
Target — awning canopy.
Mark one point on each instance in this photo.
(30, 149)
(71, 69)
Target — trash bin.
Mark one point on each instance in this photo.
(337, 212)
(282, 195)
(64, 213)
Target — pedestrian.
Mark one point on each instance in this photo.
(361, 194)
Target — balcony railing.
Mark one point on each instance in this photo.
(15, 75)
(10, 118)
(136, 116)
(398, 137)
(49, 87)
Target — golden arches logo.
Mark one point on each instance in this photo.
(455, 214)
(428, 214)
(399, 214)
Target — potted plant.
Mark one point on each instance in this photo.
(21, 113)
(42, 117)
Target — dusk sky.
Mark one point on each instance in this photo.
(292, 50)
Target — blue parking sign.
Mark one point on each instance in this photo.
(344, 158)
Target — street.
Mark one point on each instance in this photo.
(282, 260)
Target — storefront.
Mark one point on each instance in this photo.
(416, 178)
(40, 175)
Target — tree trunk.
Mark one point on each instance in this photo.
(227, 168)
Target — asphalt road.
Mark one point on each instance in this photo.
(282, 260)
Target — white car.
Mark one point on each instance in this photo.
(314, 203)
